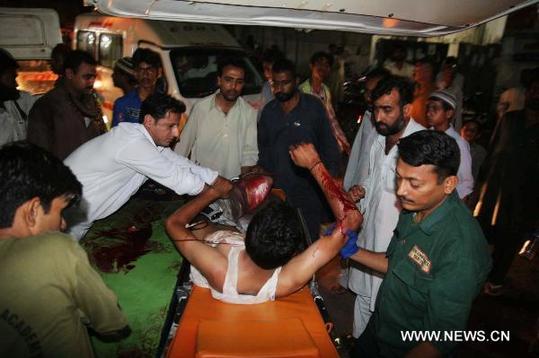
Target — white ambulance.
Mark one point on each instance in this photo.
(188, 51)
(29, 35)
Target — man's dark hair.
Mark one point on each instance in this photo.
(230, 61)
(376, 72)
(157, 105)
(403, 85)
(58, 56)
(431, 147)
(75, 58)
(284, 65)
(317, 56)
(148, 56)
(28, 171)
(274, 236)
(7, 61)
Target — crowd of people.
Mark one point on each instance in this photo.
(401, 196)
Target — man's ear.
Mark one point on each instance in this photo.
(148, 120)
(407, 110)
(450, 183)
(449, 114)
(30, 211)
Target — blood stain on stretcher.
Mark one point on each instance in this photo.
(125, 248)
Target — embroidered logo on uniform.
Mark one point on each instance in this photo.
(420, 258)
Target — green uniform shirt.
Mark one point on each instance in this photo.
(47, 290)
(436, 269)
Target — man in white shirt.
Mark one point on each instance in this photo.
(113, 166)
(221, 132)
(392, 98)
(14, 104)
(357, 168)
(440, 110)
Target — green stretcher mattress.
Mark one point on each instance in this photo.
(137, 260)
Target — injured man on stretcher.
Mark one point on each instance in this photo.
(271, 260)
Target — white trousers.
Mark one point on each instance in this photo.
(362, 314)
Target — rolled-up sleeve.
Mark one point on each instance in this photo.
(249, 155)
(189, 132)
(165, 167)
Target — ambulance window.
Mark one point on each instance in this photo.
(86, 41)
(196, 71)
(110, 49)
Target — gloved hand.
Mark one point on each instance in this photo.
(350, 248)
(329, 229)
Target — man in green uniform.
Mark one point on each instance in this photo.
(437, 260)
(50, 294)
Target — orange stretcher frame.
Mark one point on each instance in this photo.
(288, 327)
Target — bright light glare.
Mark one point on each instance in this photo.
(106, 41)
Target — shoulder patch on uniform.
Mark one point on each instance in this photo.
(420, 258)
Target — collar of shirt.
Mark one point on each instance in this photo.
(299, 108)
(214, 106)
(306, 87)
(429, 224)
(451, 132)
(411, 127)
(147, 135)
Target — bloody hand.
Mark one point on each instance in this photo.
(304, 155)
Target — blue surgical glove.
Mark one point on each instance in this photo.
(350, 248)
(329, 229)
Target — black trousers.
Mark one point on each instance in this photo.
(366, 346)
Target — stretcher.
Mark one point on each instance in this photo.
(200, 326)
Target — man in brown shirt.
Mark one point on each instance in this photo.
(69, 115)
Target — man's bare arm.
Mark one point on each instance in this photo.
(176, 223)
(210, 262)
(305, 155)
(300, 269)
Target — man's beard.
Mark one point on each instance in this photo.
(230, 96)
(8, 93)
(284, 97)
(386, 130)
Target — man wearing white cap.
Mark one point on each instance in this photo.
(123, 75)
(439, 111)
